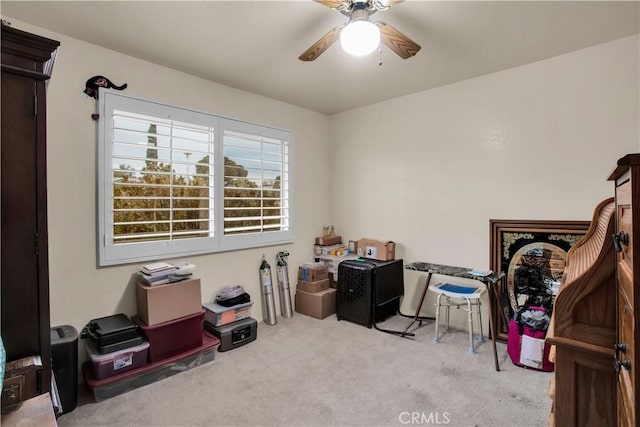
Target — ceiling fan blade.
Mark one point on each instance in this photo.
(333, 4)
(321, 45)
(390, 2)
(397, 42)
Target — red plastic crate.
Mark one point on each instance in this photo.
(172, 337)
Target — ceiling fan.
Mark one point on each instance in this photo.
(358, 13)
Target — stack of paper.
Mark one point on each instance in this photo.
(159, 273)
(157, 268)
(156, 273)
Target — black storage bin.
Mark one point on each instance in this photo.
(113, 333)
(64, 359)
(369, 291)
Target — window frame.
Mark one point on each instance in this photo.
(110, 253)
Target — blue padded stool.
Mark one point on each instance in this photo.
(453, 294)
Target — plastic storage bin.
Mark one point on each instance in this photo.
(172, 337)
(219, 315)
(130, 380)
(106, 365)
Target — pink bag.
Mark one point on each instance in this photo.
(526, 346)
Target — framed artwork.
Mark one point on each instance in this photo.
(533, 256)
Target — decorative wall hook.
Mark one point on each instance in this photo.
(95, 82)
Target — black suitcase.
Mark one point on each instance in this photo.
(369, 291)
(113, 333)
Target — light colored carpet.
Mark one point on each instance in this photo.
(309, 372)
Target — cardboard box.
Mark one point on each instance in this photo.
(317, 286)
(162, 303)
(313, 274)
(328, 240)
(319, 305)
(376, 249)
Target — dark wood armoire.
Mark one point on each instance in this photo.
(26, 66)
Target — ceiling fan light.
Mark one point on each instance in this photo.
(360, 38)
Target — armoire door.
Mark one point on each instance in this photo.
(23, 220)
(20, 296)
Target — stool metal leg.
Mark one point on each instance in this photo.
(481, 337)
(448, 300)
(470, 313)
(435, 337)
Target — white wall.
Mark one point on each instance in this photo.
(79, 290)
(429, 170)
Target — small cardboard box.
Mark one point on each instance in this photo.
(319, 305)
(161, 303)
(328, 240)
(313, 274)
(312, 287)
(376, 249)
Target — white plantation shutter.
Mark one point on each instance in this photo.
(161, 179)
(256, 183)
(159, 171)
(257, 199)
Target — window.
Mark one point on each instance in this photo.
(174, 182)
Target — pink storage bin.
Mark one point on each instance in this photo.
(109, 364)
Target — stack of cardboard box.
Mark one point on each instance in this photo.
(314, 297)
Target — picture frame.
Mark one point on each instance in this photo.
(512, 242)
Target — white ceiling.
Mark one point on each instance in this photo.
(254, 45)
